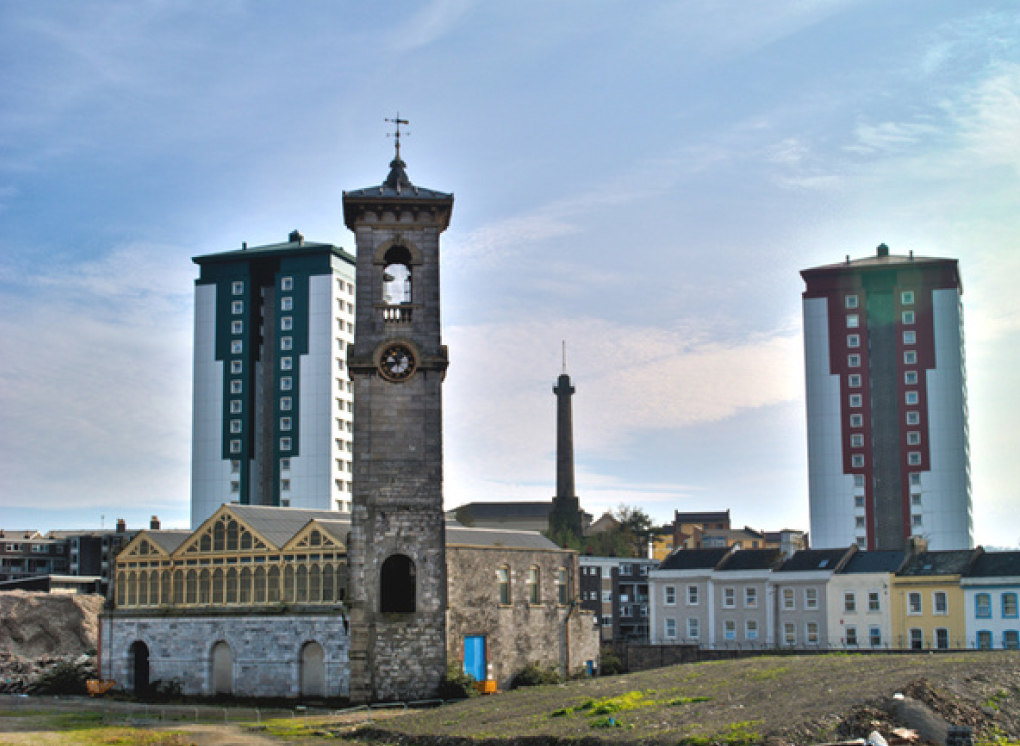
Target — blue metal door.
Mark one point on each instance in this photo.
(474, 656)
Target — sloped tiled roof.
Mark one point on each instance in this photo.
(816, 559)
(278, 525)
(948, 562)
(506, 510)
(694, 559)
(882, 560)
(495, 537)
(751, 559)
(995, 564)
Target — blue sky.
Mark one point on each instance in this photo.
(643, 180)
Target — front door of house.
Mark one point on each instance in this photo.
(474, 656)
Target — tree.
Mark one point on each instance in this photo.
(635, 529)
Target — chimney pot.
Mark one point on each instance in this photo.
(883, 250)
(154, 523)
(296, 237)
(121, 526)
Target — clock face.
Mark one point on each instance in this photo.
(397, 362)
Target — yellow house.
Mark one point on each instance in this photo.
(927, 604)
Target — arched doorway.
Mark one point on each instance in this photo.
(222, 669)
(313, 670)
(139, 664)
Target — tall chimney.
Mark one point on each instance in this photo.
(121, 526)
(154, 523)
(565, 517)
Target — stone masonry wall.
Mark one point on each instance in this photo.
(266, 651)
(548, 633)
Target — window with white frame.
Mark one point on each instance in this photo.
(235, 426)
(852, 321)
(850, 602)
(286, 363)
(236, 327)
(857, 440)
(914, 603)
(729, 598)
(907, 297)
(285, 444)
(730, 629)
(286, 283)
(874, 601)
(751, 629)
(692, 595)
(859, 483)
(851, 636)
(857, 460)
(854, 361)
(855, 380)
(909, 337)
(910, 357)
(856, 400)
(913, 418)
(908, 317)
(285, 423)
(235, 467)
(857, 420)
(853, 340)
(751, 597)
(913, 438)
(875, 636)
(670, 629)
(286, 403)
(910, 377)
(911, 397)
(941, 638)
(851, 301)
(789, 599)
(670, 595)
(235, 446)
(286, 303)
(693, 628)
(789, 633)
(286, 323)
(914, 458)
(286, 343)
(237, 288)
(237, 307)
(812, 633)
(286, 383)
(235, 406)
(235, 387)
(810, 598)
(916, 639)
(235, 366)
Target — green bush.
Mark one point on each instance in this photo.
(534, 674)
(610, 665)
(65, 677)
(457, 684)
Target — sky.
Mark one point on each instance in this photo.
(641, 180)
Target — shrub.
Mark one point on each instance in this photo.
(534, 674)
(457, 684)
(610, 665)
(65, 677)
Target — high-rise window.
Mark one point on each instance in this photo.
(851, 301)
(907, 297)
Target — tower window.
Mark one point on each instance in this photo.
(397, 585)
(909, 337)
(857, 440)
(914, 458)
(910, 377)
(397, 276)
(287, 323)
(908, 317)
(913, 438)
(235, 406)
(913, 418)
(852, 321)
(854, 361)
(237, 307)
(286, 383)
(235, 366)
(856, 420)
(285, 423)
(237, 288)
(235, 387)
(286, 363)
(285, 444)
(855, 381)
(911, 397)
(236, 327)
(287, 283)
(236, 347)
(856, 400)
(235, 446)
(286, 303)
(286, 403)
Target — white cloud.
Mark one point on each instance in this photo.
(429, 24)
(95, 390)
(500, 411)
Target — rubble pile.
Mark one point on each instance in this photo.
(43, 635)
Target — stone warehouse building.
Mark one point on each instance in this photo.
(253, 603)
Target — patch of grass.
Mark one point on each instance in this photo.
(993, 736)
(769, 674)
(995, 701)
(88, 729)
(606, 722)
(688, 700)
(741, 734)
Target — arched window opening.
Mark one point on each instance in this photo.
(164, 588)
(327, 583)
(132, 589)
(301, 584)
(397, 585)
(260, 585)
(397, 276)
(139, 655)
(192, 585)
(503, 578)
(232, 531)
(219, 536)
(122, 588)
(205, 543)
(273, 585)
(288, 584)
(231, 594)
(244, 586)
(178, 587)
(314, 585)
(203, 586)
(217, 586)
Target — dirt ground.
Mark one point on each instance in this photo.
(776, 701)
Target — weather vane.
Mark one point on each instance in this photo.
(396, 135)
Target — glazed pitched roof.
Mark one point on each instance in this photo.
(694, 559)
(882, 560)
(816, 559)
(947, 562)
(995, 564)
(750, 559)
(279, 525)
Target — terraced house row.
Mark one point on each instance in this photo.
(851, 599)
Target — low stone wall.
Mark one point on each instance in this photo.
(265, 651)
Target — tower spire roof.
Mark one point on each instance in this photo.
(398, 179)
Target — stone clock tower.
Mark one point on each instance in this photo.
(397, 549)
